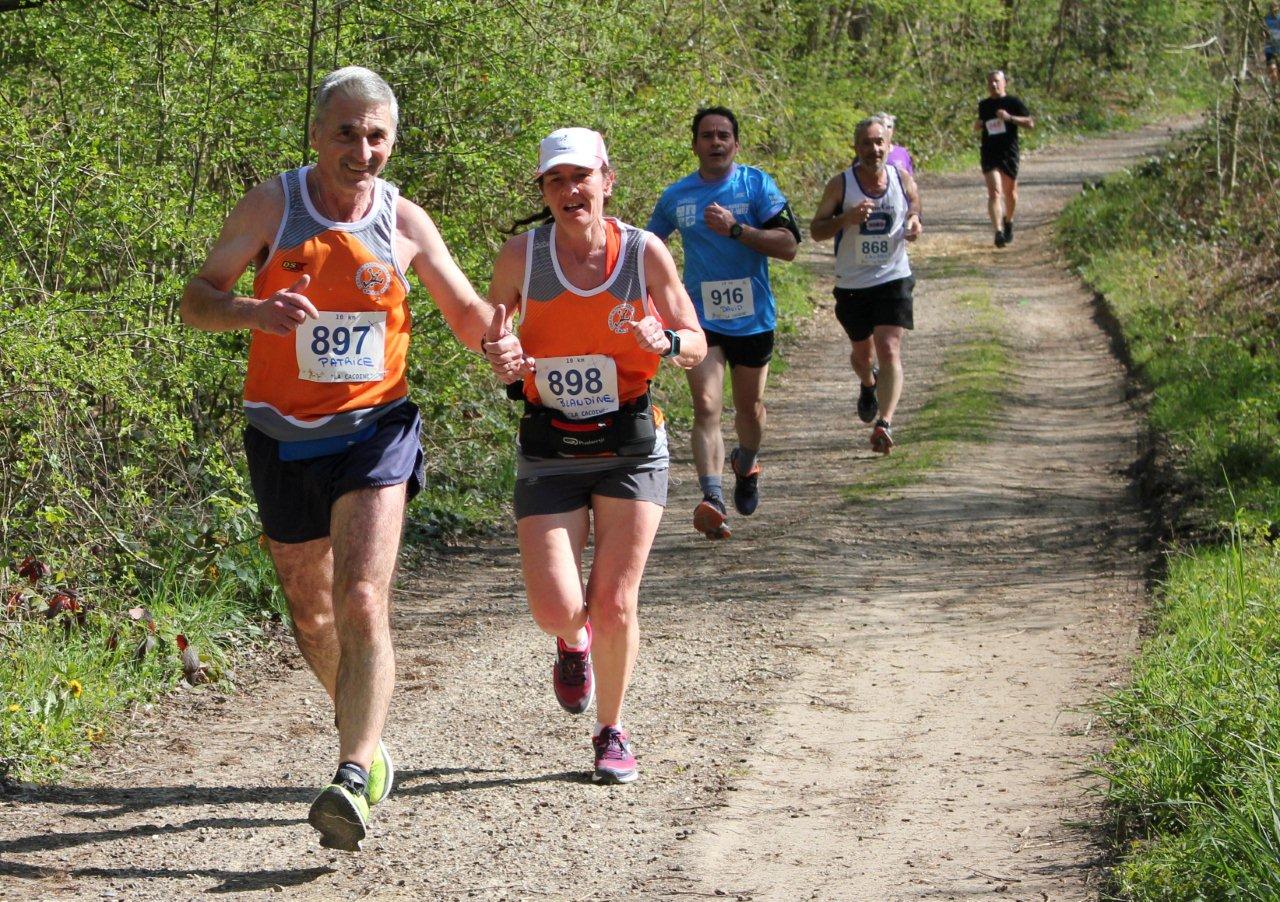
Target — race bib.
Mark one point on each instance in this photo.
(873, 245)
(730, 299)
(995, 127)
(578, 387)
(342, 347)
(873, 250)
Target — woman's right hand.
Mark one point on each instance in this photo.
(503, 351)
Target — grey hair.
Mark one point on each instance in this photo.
(358, 83)
(999, 72)
(888, 120)
(865, 124)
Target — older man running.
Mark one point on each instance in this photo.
(332, 437)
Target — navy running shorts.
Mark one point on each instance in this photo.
(860, 310)
(566, 492)
(295, 498)
(743, 350)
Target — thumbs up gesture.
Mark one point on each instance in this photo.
(502, 349)
(285, 310)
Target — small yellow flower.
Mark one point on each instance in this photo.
(14, 709)
(75, 687)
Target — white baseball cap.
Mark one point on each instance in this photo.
(574, 146)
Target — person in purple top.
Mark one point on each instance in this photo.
(898, 155)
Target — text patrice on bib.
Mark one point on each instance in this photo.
(578, 387)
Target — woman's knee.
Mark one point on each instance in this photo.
(612, 612)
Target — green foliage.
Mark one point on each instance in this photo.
(135, 127)
(1195, 769)
(1184, 248)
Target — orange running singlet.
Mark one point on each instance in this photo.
(597, 363)
(338, 374)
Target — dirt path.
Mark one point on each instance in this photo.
(845, 701)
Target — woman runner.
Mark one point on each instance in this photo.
(600, 303)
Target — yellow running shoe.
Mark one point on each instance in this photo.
(341, 811)
(382, 775)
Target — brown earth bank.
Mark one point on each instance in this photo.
(847, 700)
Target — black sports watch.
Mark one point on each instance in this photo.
(674, 337)
(735, 231)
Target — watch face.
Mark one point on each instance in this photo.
(735, 230)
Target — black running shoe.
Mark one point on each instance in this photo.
(746, 489)
(1000, 242)
(868, 406)
(1008, 231)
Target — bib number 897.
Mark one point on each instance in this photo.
(339, 342)
(727, 296)
(575, 382)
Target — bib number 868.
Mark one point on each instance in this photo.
(575, 382)
(339, 341)
(875, 247)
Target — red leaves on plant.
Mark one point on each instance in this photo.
(195, 671)
(61, 602)
(34, 570)
(12, 602)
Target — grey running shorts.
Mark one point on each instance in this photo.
(570, 491)
(860, 310)
(295, 498)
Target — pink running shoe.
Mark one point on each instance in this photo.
(571, 676)
(614, 761)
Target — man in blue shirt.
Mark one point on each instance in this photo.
(732, 219)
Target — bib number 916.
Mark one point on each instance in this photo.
(721, 297)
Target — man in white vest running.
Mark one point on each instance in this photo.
(872, 209)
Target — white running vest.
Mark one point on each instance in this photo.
(876, 251)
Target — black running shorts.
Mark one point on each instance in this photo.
(860, 310)
(743, 350)
(1006, 161)
(295, 498)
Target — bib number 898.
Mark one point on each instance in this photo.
(727, 296)
(575, 382)
(339, 342)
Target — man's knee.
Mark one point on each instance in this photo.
(706, 407)
(362, 613)
(312, 625)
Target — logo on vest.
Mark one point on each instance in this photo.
(619, 316)
(373, 279)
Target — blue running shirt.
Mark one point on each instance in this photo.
(727, 281)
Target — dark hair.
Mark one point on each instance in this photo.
(715, 111)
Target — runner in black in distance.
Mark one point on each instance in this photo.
(1000, 115)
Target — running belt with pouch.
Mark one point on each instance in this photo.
(628, 431)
